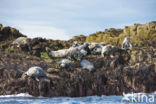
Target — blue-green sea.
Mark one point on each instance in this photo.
(137, 98)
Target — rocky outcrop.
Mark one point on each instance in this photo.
(140, 34)
(129, 71)
(9, 33)
(109, 36)
(111, 77)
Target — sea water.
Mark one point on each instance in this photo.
(28, 99)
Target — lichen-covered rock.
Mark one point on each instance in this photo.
(107, 36)
(81, 39)
(140, 34)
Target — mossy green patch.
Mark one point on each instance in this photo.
(45, 56)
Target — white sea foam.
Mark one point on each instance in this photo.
(25, 98)
(154, 92)
(17, 95)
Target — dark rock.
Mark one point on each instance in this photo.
(44, 87)
(52, 70)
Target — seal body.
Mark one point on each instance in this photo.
(35, 72)
(110, 50)
(57, 54)
(65, 63)
(106, 50)
(71, 53)
(85, 64)
(126, 44)
(96, 48)
(22, 41)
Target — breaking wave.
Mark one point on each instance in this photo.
(16, 95)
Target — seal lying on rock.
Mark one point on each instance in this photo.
(58, 53)
(83, 52)
(96, 48)
(94, 45)
(75, 53)
(65, 63)
(75, 44)
(106, 50)
(35, 72)
(83, 48)
(85, 64)
(22, 41)
(110, 50)
(71, 53)
(126, 44)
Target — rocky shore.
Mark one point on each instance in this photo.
(132, 71)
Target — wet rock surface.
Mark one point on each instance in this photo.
(129, 71)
